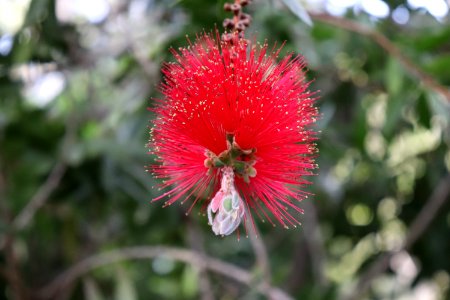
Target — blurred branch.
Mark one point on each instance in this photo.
(149, 69)
(3, 206)
(148, 252)
(9, 267)
(314, 242)
(262, 260)
(38, 200)
(418, 227)
(11, 271)
(196, 242)
(308, 253)
(432, 207)
(387, 45)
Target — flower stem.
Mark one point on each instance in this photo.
(239, 22)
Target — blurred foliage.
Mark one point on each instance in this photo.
(384, 147)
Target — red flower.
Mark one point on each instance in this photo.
(233, 128)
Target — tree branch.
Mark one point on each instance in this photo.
(431, 208)
(314, 243)
(418, 227)
(387, 45)
(11, 271)
(148, 252)
(196, 241)
(262, 259)
(41, 196)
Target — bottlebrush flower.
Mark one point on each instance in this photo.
(234, 129)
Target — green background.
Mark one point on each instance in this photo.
(382, 177)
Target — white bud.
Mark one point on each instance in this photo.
(226, 209)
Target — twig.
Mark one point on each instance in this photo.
(262, 260)
(314, 243)
(148, 252)
(41, 196)
(308, 252)
(9, 268)
(299, 264)
(387, 45)
(3, 207)
(11, 271)
(195, 239)
(149, 69)
(429, 211)
(418, 227)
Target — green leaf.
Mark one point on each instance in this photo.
(189, 282)
(393, 112)
(440, 66)
(125, 289)
(36, 11)
(423, 111)
(439, 106)
(431, 41)
(394, 77)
